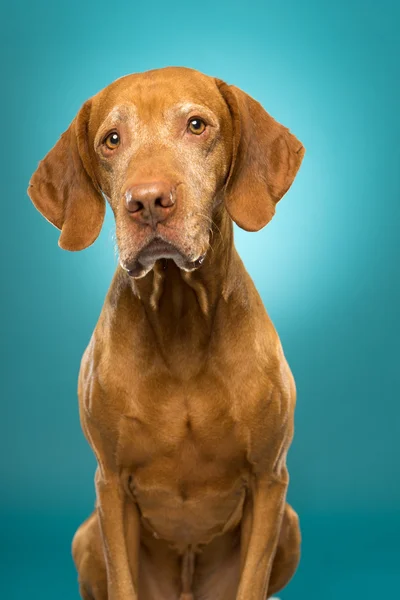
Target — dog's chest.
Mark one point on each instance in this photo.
(189, 420)
(182, 453)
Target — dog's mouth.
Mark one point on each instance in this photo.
(157, 249)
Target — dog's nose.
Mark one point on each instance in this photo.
(150, 202)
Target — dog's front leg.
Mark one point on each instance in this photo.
(120, 530)
(261, 524)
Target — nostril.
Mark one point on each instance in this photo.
(165, 200)
(134, 206)
(150, 201)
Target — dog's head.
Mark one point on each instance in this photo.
(167, 148)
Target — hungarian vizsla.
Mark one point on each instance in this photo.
(185, 394)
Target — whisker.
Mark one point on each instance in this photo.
(211, 220)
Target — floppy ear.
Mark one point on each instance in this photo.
(265, 160)
(64, 188)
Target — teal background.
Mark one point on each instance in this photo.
(327, 268)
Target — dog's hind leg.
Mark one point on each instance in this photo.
(288, 552)
(87, 552)
(159, 566)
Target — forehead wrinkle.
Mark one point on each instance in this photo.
(118, 114)
(154, 93)
(184, 108)
(159, 94)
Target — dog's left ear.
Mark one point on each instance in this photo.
(64, 187)
(265, 160)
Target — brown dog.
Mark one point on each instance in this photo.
(185, 395)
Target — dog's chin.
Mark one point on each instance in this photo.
(160, 249)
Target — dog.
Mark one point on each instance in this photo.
(185, 395)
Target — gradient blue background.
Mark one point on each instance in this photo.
(327, 268)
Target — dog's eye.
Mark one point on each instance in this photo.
(196, 126)
(112, 140)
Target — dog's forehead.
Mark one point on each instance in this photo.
(154, 92)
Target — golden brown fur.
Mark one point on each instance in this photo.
(185, 395)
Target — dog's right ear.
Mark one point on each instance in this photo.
(64, 188)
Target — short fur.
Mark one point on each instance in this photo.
(185, 394)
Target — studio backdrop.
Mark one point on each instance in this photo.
(327, 268)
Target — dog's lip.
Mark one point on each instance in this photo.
(157, 249)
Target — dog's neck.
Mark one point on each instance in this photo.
(206, 285)
(180, 308)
